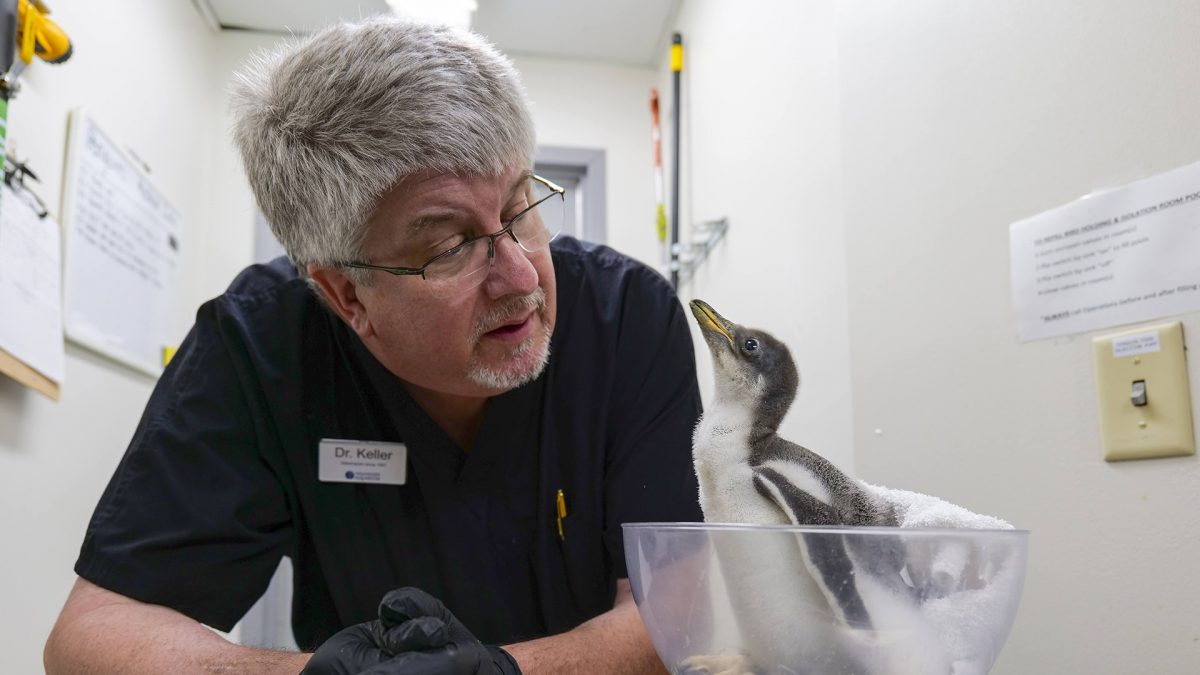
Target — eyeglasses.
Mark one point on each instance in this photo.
(464, 266)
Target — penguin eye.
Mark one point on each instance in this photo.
(751, 345)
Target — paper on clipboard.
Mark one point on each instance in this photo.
(31, 328)
(122, 252)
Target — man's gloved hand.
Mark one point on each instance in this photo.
(418, 646)
(414, 635)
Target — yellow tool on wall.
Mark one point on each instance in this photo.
(36, 34)
(39, 34)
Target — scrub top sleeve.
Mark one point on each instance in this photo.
(193, 519)
(656, 403)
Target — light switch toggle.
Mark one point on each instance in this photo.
(1138, 396)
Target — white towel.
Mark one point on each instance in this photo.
(914, 509)
(964, 586)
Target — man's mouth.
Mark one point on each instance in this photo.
(513, 330)
(512, 320)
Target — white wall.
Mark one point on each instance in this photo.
(760, 141)
(959, 118)
(230, 203)
(147, 73)
(591, 105)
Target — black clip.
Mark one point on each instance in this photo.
(15, 173)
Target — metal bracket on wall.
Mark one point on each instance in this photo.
(686, 258)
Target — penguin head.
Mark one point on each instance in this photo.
(749, 365)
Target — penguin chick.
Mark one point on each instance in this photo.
(756, 382)
(776, 589)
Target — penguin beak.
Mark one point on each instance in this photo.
(709, 320)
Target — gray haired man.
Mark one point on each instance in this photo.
(439, 410)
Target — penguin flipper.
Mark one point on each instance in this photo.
(798, 506)
(825, 554)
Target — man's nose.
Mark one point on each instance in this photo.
(512, 272)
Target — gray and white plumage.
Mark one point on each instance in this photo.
(756, 382)
(748, 474)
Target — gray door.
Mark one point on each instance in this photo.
(581, 172)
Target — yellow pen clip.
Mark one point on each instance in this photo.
(561, 502)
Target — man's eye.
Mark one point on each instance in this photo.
(447, 243)
(515, 214)
(517, 217)
(452, 253)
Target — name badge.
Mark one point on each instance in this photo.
(371, 462)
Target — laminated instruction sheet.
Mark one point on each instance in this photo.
(1118, 257)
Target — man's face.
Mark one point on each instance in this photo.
(473, 341)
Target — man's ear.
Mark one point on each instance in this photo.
(341, 295)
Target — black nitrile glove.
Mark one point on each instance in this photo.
(417, 647)
(414, 635)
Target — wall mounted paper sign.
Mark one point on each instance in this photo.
(122, 252)
(1114, 258)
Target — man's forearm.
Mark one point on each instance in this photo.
(101, 632)
(614, 643)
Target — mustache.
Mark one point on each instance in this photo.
(509, 309)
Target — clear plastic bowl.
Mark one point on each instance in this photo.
(782, 600)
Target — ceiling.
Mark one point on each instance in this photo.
(627, 32)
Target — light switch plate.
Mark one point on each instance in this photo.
(1162, 427)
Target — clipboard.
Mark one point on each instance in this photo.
(23, 374)
(30, 287)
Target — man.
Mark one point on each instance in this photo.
(544, 393)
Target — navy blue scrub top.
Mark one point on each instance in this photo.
(220, 479)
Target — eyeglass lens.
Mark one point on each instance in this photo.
(533, 230)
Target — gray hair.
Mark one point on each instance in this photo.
(328, 124)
